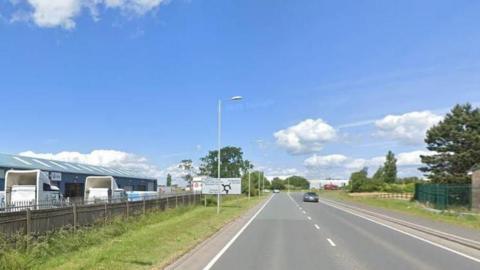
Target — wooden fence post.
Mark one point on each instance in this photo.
(127, 210)
(29, 222)
(75, 217)
(144, 207)
(106, 213)
(176, 200)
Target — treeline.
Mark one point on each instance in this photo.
(292, 183)
(384, 179)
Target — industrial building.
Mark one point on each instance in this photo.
(70, 177)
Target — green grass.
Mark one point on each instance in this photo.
(151, 241)
(408, 207)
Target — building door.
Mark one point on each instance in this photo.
(74, 190)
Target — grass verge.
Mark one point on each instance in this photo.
(408, 207)
(150, 241)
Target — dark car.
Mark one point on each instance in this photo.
(310, 197)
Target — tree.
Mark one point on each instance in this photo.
(169, 180)
(390, 168)
(187, 166)
(232, 163)
(256, 183)
(455, 144)
(297, 182)
(358, 179)
(278, 183)
(379, 175)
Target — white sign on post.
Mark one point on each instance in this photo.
(226, 186)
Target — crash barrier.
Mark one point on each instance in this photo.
(36, 219)
(444, 196)
(396, 196)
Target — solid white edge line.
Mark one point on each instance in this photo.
(407, 233)
(398, 220)
(331, 242)
(225, 248)
(318, 227)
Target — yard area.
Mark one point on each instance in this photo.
(456, 216)
(146, 242)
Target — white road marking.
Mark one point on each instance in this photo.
(215, 259)
(406, 233)
(304, 212)
(318, 227)
(331, 242)
(309, 218)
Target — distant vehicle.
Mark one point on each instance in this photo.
(330, 187)
(276, 191)
(310, 197)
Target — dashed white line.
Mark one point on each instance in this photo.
(304, 212)
(309, 218)
(407, 233)
(331, 242)
(318, 227)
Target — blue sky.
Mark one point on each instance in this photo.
(143, 78)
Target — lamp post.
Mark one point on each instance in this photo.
(249, 181)
(235, 98)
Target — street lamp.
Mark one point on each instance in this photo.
(235, 98)
(249, 181)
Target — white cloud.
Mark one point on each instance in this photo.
(412, 158)
(53, 13)
(341, 166)
(409, 128)
(307, 136)
(62, 13)
(325, 161)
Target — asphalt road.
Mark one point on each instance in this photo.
(290, 234)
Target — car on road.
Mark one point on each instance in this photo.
(310, 197)
(276, 191)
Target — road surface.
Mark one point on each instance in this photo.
(290, 234)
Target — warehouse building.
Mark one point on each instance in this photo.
(70, 177)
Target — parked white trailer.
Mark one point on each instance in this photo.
(103, 188)
(30, 188)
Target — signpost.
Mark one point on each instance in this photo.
(226, 186)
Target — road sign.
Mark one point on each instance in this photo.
(227, 186)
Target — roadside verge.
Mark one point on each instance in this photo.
(204, 254)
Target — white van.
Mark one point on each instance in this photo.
(30, 188)
(102, 188)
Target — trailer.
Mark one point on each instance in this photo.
(30, 188)
(102, 188)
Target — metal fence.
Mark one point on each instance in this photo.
(34, 219)
(443, 196)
